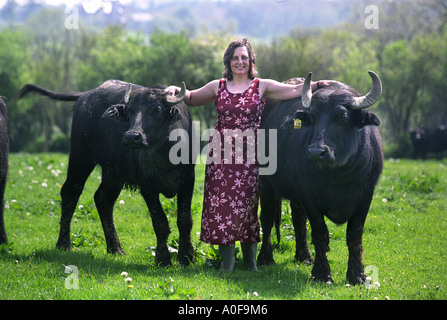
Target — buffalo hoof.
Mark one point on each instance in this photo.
(163, 263)
(63, 246)
(327, 278)
(114, 246)
(320, 274)
(185, 257)
(265, 258)
(304, 257)
(116, 250)
(356, 279)
(163, 257)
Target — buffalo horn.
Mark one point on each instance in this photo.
(372, 96)
(128, 92)
(171, 100)
(306, 94)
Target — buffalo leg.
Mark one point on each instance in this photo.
(320, 238)
(161, 227)
(105, 198)
(184, 220)
(77, 174)
(270, 208)
(3, 236)
(299, 219)
(354, 232)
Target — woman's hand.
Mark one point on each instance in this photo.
(198, 97)
(172, 90)
(322, 83)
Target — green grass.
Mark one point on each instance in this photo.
(404, 242)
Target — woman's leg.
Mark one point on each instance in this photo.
(249, 253)
(228, 259)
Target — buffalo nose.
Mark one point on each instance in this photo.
(317, 153)
(133, 139)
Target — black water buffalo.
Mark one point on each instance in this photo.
(124, 128)
(331, 158)
(4, 150)
(427, 140)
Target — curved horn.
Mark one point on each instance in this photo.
(128, 92)
(306, 94)
(171, 100)
(372, 96)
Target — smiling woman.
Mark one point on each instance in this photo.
(240, 59)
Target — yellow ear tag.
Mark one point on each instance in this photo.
(297, 124)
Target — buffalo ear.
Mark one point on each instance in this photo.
(174, 114)
(116, 112)
(302, 115)
(363, 118)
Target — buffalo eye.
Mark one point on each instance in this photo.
(341, 116)
(155, 111)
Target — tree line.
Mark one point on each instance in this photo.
(411, 61)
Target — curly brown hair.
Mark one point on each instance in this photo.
(229, 52)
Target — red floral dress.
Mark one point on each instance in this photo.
(230, 202)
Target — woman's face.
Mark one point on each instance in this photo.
(240, 62)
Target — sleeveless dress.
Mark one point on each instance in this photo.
(230, 202)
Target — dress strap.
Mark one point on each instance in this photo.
(256, 82)
(222, 83)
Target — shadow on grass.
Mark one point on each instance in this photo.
(279, 281)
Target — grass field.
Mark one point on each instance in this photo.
(404, 241)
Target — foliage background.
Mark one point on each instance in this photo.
(185, 40)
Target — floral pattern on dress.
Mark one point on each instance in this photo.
(230, 205)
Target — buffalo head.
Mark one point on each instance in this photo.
(149, 112)
(334, 117)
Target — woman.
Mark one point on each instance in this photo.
(230, 203)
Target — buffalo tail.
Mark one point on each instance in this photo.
(72, 96)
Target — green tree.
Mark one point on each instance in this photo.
(45, 126)
(114, 54)
(399, 91)
(351, 63)
(429, 68)
(14, 59)
(414, 87)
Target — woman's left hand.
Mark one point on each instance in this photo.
(172, 90)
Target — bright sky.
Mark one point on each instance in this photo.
(90, 6)
(88, 3)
